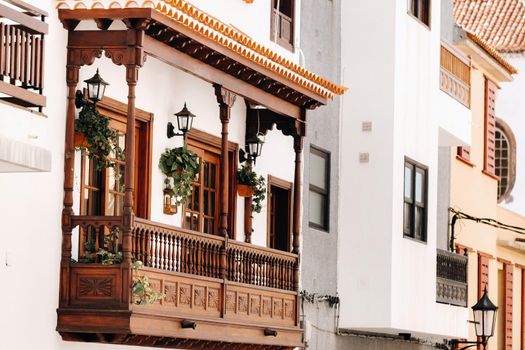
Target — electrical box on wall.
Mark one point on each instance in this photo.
(364, 157)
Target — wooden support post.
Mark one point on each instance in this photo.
(226, 99)
(72, 76)
(132, 71)
(248, 219)
(296, 224)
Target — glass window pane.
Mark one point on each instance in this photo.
(407, 218)
(318, 171)
(420, 186)
(317, 207)
(419, 223)
(408, 181)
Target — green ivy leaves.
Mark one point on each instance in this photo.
(181, 167)
(246, 176)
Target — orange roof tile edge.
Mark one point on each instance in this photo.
(492, 52)
(225, 35)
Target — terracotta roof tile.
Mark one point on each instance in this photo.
(499, 23)
(223, 34)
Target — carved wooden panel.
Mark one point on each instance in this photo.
(95, 286)
(260, 305)
(185, 295)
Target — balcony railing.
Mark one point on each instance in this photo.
(255, 295)
(451, 279)
(22, 31)
(455, 75)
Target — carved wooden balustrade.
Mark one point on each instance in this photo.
(22, 31)
(454, 78)
(451, 279)
(258, 288)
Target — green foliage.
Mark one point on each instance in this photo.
(107, 255)
(142, 292)
(102, 140)
(181, 167)
(246, 176)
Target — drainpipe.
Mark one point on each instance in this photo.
(452, 229)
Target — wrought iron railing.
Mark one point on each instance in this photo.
(451, 279)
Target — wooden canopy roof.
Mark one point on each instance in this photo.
(183, 27)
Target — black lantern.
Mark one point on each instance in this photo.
(484, 318)
(96, 87)
(254, 146)
(184, 122)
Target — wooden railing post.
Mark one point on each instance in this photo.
(72, 76)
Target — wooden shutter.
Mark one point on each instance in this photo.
(507, 307)
(483, 274)
(464, 153)
(490, 127)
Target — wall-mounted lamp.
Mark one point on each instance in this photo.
(96, 87)
(188, 324)
(485, 319)
(184, 122)
(254, 146)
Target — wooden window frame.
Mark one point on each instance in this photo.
(506, 131)
(285, 185)
(212, 143)
(273, 33)
(489, 129)
(414, 12)
(411, 233)
(117, 111)
(324, 192)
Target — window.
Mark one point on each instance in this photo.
(415, 201)
(201, 211)
(505, 155)
(102, 190)
(282, 23)
(319, 188)
(279, 214)
(421, 10)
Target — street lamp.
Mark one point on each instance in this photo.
(184, 122)
(484, 318)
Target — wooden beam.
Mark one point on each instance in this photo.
(206, 72)
(33, 10)
(98, 39)
(20, 94)
(33, 25)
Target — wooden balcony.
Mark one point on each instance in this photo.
(451, 279)
(454, 78)
(253, 305)
(22, 32)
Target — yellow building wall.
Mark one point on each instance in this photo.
(475, 193)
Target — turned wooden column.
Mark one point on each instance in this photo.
(226, 99)
(248, 219)
(296, 223)
(132, 71)
(72, 76)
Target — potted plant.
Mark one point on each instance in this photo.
(94, 134)
(250, 184)
(181, 167)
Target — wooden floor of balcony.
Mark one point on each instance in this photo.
(253, 307)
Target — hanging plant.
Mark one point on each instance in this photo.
(181, 167)
(256, 185)
(100, 140)
(109, 254)
(141, 289)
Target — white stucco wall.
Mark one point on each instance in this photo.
(31, 204)
(389, 282)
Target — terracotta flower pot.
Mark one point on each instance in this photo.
(80, 140)
(245, 190)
